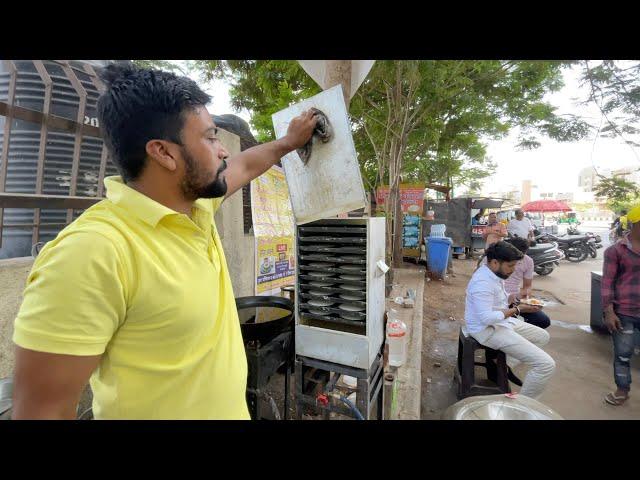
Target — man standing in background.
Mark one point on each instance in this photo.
(495, 231)
(521, 226)
(620, 292)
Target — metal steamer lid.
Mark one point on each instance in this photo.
(330, 183)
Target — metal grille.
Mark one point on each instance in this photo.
(52, 158)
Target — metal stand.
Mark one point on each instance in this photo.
(369, 391)
(264, 361)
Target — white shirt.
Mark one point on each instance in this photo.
(486, 296)
(520, 227)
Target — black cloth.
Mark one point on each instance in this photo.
(323, 130)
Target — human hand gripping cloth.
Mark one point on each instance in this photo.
(323, 130)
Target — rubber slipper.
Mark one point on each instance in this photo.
(612, 399)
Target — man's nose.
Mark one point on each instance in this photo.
(222, 153)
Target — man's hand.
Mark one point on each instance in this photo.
(525, 308)
(300, 130)
(612, 322)
(253, 162)
(525, 292)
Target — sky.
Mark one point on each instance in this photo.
(553, 167)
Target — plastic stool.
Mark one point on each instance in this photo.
(465, 373)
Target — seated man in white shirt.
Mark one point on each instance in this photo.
(521, 226)
(494, 324)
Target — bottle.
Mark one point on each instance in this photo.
(397, 340)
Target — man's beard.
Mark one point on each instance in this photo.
(192, 187)
(501, 275)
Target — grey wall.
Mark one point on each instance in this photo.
(238, 247)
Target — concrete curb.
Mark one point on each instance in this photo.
(406, 391)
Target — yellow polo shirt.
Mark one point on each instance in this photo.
(148, 289)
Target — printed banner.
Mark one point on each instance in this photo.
(273, 227)
(411, 204)
(411, 198)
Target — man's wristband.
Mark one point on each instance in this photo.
(517, 310)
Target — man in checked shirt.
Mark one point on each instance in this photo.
(621, 303)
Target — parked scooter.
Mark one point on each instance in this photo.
(546, 256)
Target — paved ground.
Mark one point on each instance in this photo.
(584, 371)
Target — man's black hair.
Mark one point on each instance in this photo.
(520, 243)
(624, 212)
(140, 105)
(503, 252)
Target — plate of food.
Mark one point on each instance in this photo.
(536, 302)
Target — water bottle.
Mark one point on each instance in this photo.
(397, 340)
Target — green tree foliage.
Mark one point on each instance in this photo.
(614, 87)
(620, 193)
(416, 120)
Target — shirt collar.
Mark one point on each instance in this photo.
(490, 275)
(143, 207)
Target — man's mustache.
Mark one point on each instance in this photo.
(222, 167)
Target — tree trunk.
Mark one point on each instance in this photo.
(397, 232)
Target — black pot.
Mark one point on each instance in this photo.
(264, 331)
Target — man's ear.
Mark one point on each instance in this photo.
(162, 152)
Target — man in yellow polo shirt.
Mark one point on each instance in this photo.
(135, 295)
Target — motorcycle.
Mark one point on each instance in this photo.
(594, 241)
(576, 249)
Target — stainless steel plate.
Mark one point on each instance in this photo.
(352, 296)
(349, 307)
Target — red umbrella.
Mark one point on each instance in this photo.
(546, 206)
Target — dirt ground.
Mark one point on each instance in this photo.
(13, 274)
(584, 372)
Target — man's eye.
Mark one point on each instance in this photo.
(213, 139)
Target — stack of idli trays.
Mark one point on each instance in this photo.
(332, 273)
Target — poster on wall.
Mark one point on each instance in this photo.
(273, 226)
(411, 204)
